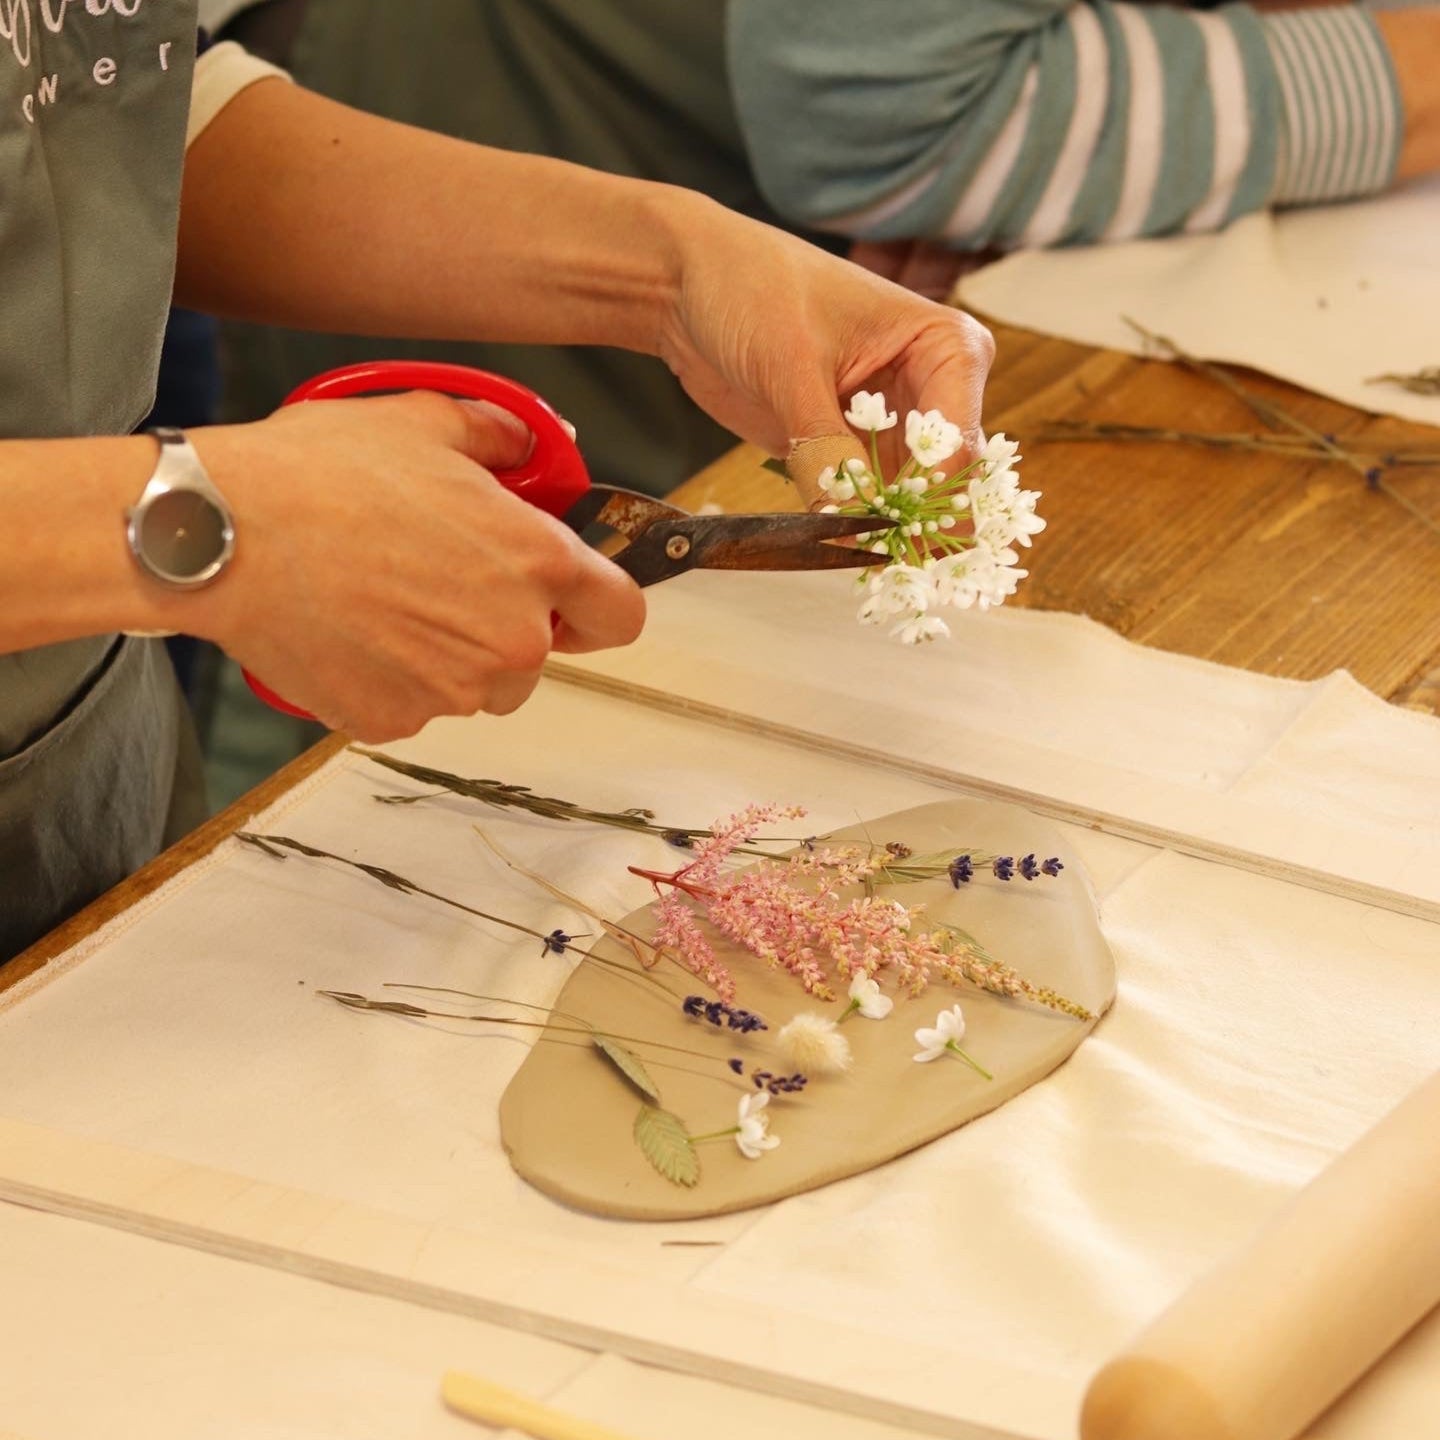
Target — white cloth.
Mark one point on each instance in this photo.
(1260, 1028)
(1326, 297)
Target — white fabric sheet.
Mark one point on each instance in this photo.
(1260, 1028)
(1325, 297)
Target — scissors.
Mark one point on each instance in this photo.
(663, 541)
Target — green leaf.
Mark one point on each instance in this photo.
(665, 1143)
(628, 1064)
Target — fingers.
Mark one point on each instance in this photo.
(494, 437)
(426, 587)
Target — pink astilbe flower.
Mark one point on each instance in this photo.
(794, 916)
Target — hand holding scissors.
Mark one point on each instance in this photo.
(663, 541)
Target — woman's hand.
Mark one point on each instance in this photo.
(772, 335)
(382, 576)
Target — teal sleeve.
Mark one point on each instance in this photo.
(1020, 122)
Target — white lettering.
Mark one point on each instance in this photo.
(17, 19)
(48, 85)
(27, 106)
(15, 27)
(54, 20)
(165, 54)
(104, 71)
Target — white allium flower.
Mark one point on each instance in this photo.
(1000, 454)
(920, 628)
(841, 487)
(980, 576)
(1002, 512)
(867, 998)
(867, 411)
(930, 437)
(948, 1031)
(752, 1130)
(813, 1045)
(898, 589)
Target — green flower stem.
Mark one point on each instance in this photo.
(970, 1060)
(715, 1135)
(848, 1011)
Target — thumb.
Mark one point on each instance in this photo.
(494, 437)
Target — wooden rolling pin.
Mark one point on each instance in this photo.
(1260, 1346)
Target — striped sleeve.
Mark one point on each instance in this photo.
(1048, 122)
(1341, 125)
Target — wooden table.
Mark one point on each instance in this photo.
(1282, 566)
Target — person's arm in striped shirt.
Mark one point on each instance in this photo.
(1042, 122)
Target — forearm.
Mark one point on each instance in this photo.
(302, 212)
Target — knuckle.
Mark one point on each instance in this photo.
(979, 341)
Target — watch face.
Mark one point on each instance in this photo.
(183, 536)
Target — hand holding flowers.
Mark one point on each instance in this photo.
(949, 539)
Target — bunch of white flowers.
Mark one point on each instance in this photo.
(950, 538)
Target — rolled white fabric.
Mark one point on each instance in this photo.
(1261, 1345)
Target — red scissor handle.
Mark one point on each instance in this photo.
(553, 478)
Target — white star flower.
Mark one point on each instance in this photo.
(752, 1132)
(930, 437)
(920, 628)
(898, 589)
(867, 411)
(866, 998)
(947, 1033)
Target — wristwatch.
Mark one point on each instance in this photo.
(180, 529)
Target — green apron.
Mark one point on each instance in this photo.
(98, 767)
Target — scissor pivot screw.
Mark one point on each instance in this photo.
(677, 547)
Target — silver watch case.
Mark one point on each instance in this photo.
(180, 530)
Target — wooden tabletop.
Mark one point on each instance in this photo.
(1284, 566)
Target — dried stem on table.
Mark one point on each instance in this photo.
(520, 797)
(1294, 446)
(555, 941)
(1280, 419)
(1423, 382)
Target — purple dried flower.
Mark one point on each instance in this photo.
(555, 942)
(1003, 866)
(1052, 866)
(737, 1065)
(962, 868)
(718, 1013)
(1029, 867)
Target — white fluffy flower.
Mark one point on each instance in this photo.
(930, 437)
(867, 997)
(813, 1045)
(947, 1033)
(867, 411)
(752, 1130)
